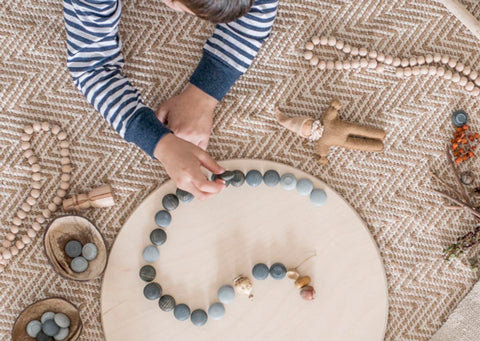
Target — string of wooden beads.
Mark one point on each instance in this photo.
(14, 241)
(435, 64)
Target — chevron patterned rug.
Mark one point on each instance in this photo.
(391, 191)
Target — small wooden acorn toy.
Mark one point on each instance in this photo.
(331, 131)
(244, 285)
(99, 197)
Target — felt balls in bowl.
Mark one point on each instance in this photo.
(75, 248)
(48, 320)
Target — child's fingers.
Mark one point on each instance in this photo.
(210, 163)
(208, 186)
(162, 114)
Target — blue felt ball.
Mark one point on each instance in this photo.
(260, 271)
(254, 178)
(163, 218)
(278, 271)
(271, 178)
(199, 317)
(318, 197)
(226, 294)
(216, 311)
(288, 181)
(304, 187)
(181, 312)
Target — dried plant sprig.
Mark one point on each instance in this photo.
(463, 243)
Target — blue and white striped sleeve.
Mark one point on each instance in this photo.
(232, 48)
(95, 62)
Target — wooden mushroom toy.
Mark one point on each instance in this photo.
(99, 197)
(74, 228)
(36, 310)
(331, 131)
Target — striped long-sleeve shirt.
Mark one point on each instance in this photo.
(95, 62)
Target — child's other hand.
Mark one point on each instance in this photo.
(189, 115)
(183, 161)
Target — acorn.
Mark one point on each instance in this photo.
(308, 293)
(302, 282)
(293, 274)
(244, 285)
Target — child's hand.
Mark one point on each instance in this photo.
(189, 115)
(182, 161)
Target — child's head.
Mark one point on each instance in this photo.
(216, 11)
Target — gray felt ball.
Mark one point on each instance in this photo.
(254, 178)
(318, 197)
(147, 273)
(33, 328)
(50, 328)
(226, 176)
(199, 317)
(166, 303)
(260, 271)
(152, 291)
(79, 264)
(278, 271)
(216, 311)
(49, 315)
(238, 178)
(89, 251)
(184, 196)
(158, 237)
(43, 337)
(62, 320)
(151, 254)
(226, 294)
(288, 181)
(163, 218)
(170, 202)
(181, 312)
(73, 248)
(271, 178)
(304, 186)
(62, 334)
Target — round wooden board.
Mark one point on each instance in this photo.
(210, 242)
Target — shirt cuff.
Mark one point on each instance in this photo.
(145, 130)
(213, 76)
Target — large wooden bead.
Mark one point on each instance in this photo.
(432, 70)
(476, 91)
(10, 236)
(36, 226)
(355, 52)
(347, 48)
(316, 40)
(424, 70)
(440, 71)
(308, 55)
(416, 70)
(26, 137)
(405, 62)
(355, 64)
(36, 168)
(330, 65)
(373, 54)
(372, 64)
(421, 60)
(477, 82)
(25, 145)
(338, 65)
(36, 185)
(463, 81)
(363, 62)
(309, 46)
(40, 219)
(437, 57)
(363, 52)
(448, 75)
(323, 40)
(52, 207)
(19, 244)
(347, 65)
(473, 75)
(388, 60)
(6, 243)
(32, 160)
(381, 57)
(26, 239)
(64, 185)
(399, 72)
(28, 129)
(396, 61)
(36, 177)
(65, 161)
(322, 65)
(64, 144)
(64, 152)
(456, 77)
(14, 229)
(46, 213)
(26, 207)
(66, 169)
(56, 129)
(28, 153)
(7, 254)
(470, 86)
(314, 61)
(45, 126)
(445, 59)
(407, 72)
(467, 70)
(302, 282)
(31, 233)
(17, 221)
(332, 41)
(61, 193)
(459, 67)
(31, 201)
(413, 61)
(62, 136)
(37, 127)
(452, 62)
(21, 214)
(14, 251)
(57, 201)
(35, 193)
(339, 45)
(428, 58)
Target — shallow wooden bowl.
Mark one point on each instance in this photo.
(63, 229)
(36, 310)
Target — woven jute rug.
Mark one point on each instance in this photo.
(391, 191)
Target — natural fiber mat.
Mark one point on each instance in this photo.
(391, 191)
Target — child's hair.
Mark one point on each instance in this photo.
(219, 11)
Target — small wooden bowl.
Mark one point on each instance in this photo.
(35, 312)
(63, 229)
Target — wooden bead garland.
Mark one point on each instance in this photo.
(14, 242)
(436, 64)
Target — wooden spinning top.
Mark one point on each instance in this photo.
(99, 197)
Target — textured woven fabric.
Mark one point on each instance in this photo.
(391, 191)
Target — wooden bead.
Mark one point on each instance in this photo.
(65, 152)
(35, 193)
(437, 57)
(52, 207)
(396, 61)
(440, 71)
(31, 201)
(428, 58)
(46, 213)
(66, 169)
(57, 201)
(26, 207)
(363, 52)
(13, 251)
(473, 75)
(45, 126)
(37, 127)
(308, 55)
(413, 61)
(421, 60)
(372, 64)
(21, 214)
(40, 219)
(26, 239)
(467, 70)
(477, 82)
(399, 72)
(19, 244)
(373, 54)
(56, 129)
(313, 62)
(388, 60)
(416, 70)
(308, 293)
(347, 65)
(407, 72)
(338, 65)
(456, 77)
(459, 67)
(445, 59)
(347, 48)
(64, 185)
(31, 233)
(405, 62)
(36, 226)
(25, 145)
(381, 58)
(10, 236)
(339, 45)
(36, 177)
(28, 129)
(322, 65)
(6, 244)
(332, 41)
(432, 70)
(452, 62)
(448, 75)
(330, 65)
(2, 249)
(363, 62)
(14, 229)
(355, 52)
(316, 40)
(32, 160)
(17, 221)
(61, 193)
(476, 91)
(36, 185)
(355, 64)
(26, 137)
(62, 136)
(470, 86)
(7, 254)
(424, 70)
(64, 144)
(65, 161)
(302, 282)
(36, 168)
(309, 46)
(323, 40)
(28, 153)
(463, 81)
